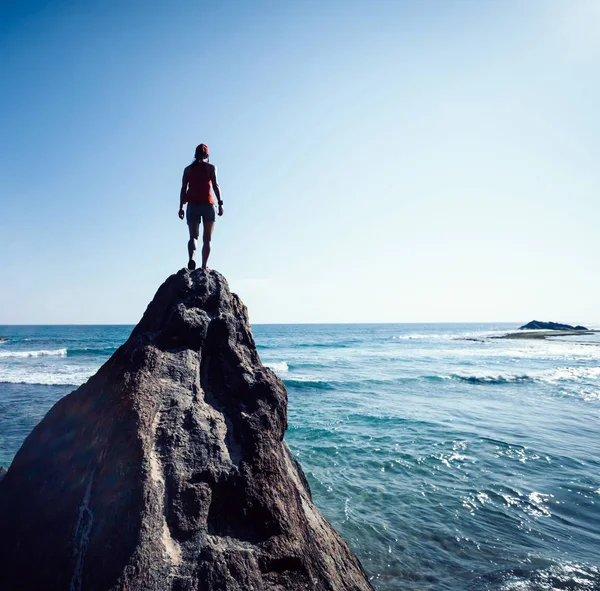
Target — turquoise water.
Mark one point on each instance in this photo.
(446, 463)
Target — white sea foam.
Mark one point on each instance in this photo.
(64, 376)
(571, 374)
(552, 376)
(46, 353)
(420, 336)
(278, 366)
(448, 336)
(538, 498)
(446, 459)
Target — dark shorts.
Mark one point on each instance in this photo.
(197, 212)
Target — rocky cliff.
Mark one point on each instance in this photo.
(167, 470)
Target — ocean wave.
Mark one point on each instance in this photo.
(323, 384)
(91, 351)
(311, 384)
(304, 368)
(315, 345)
(445, 336)
(60, 375)
(423, 336)
(74, 375)
(25, 382)
(63, 352)
(567, 375)
(278, 366)
(561, 374)
(334, 345)
(45, 379)
(43, 353)
(350, 384)
(492, 379)
(571, 374)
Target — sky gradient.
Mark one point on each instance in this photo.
(380, 161)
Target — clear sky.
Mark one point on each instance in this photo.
(380, 160)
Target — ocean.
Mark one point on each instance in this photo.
(447, 460)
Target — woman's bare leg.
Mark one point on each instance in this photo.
(194, 229)
(206, 236)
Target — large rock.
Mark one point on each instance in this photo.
(167, 470)
(537, 325)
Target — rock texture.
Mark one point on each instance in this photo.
(167, 470)
(537, 325)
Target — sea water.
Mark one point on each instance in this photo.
(447, 459)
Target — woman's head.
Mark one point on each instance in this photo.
(201, 152)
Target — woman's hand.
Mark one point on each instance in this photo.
(220, 210)
(181, 213)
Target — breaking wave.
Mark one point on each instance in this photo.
(41, 378)
(63, 352)
(91, 351)
(572, 376)
(499, 379)
(43, 353)
(278, 366)
(561, 374)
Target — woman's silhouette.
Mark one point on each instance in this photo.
(198, 179)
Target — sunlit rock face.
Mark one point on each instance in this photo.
(168, 469)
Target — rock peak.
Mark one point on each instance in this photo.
(168, 470)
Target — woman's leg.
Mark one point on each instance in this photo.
(194, 228)
(206, 236)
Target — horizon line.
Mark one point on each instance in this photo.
(283, 323)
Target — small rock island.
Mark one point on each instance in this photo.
(536, 330)
(537, 325)
(168, 471)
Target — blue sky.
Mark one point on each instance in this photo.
(380, 161)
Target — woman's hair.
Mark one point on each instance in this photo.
(201, 154)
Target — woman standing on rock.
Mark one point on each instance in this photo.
(198, 178)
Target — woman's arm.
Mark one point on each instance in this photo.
(184, 184)
(216, 188)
